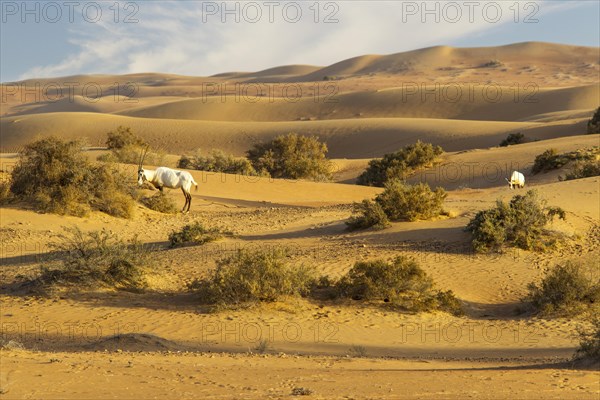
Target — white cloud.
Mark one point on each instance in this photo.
(172, 36)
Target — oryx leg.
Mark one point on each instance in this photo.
(186, 200)
(189, 201)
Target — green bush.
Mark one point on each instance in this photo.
(293, 157)
(401, 283)
(161, 203)
(97, 259)
(583, 169)
(404, 202)
(593, 125)
(520, 223)
(195, 233)
(367, 214)
(254, 276)
(568, 289)
(399, 165)
(512, 139)
(589, 342)
(56, 177)
(217, 161)
(122, 138)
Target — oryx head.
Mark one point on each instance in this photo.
(141, 174)
(510, 184)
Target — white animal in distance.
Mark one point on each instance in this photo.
(166, 177)
(517, 179)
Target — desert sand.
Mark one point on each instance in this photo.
(64, 346)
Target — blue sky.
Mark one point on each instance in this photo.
(56, 38)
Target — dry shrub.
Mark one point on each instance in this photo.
(551, 159)
(368, 214)
(96, 259)
(195, 233)
(521, 223)
(292, 156)
(512, 139)
(589, 342)
(217, 161)
(6, 195)
(567, 289)
(401, 283)
(583, 169)
(161, 203)
(254, 276)
(130, 154)
(404, 202)
(399, 165)
(56, 177)
(398, 202)
(593, 125)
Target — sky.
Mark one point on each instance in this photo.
(42, 39)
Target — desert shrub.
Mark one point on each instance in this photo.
(160, 202)
(404, 202)
(583, 169)
(401, 283)
(589, 341)
(254, 276)
(513, 138)
(56, 177)
(519, 223)
(399, 165)
(130, 154)
(97, 259)
(195, 233)
(593, 125)
(548, 160)
(367, 214)
(123, 137)
(6, 195)
(217, 161)
(398, 202)
(567, 289)
(292, 156)
(551, 159)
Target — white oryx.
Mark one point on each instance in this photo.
(167, 177)
(517, 179)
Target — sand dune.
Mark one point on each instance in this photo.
(358, 138)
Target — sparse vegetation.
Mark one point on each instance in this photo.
(195, 233)
(217, 161)
(96, 259)
(583, 169)
(6, 195)
(512, 139)
(161, 203)
(399, 165)
(589, 342)
(368, 214)
(56, 177)
(551, 159)
(292, 156)
(593, 125)
(358, 351)
(568, 289)
(401, 283)
(521, 223)
(254, 276)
